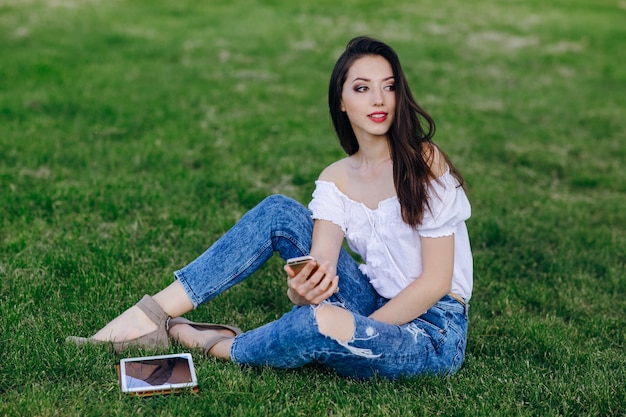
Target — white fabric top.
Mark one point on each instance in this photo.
(390, 248)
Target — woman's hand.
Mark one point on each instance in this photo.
(305, 288)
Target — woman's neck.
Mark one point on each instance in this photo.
(372, 154)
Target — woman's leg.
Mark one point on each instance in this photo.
(357, 346)
(433, 344)
(276, 224)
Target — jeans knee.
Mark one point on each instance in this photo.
(278, 201)
(335, 322)
(286, 217)
(278, 206)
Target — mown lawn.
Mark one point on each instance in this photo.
(133, 134)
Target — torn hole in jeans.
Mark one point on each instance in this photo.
(370, 333)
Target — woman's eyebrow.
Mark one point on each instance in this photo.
(367, 79)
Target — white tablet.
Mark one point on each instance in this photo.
(164, 374)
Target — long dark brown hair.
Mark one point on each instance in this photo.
(411, 128)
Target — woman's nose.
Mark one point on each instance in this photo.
(377, 98)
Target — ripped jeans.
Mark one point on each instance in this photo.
(433, 343)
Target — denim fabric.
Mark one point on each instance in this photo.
(433, 343)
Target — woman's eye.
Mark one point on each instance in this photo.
(360, 88)
(391, 87)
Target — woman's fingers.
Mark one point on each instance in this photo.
(311, 284)
(326, 291)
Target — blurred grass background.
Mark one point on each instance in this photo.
(133, 134)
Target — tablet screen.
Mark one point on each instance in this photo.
(157, 374)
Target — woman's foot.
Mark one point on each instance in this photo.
(129, 325)
(214, 341)
(144, 324)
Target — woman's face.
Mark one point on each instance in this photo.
(368, 97)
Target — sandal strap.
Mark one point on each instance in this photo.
(208, 326)
(153, 311)
(214, 341)
(205, 326)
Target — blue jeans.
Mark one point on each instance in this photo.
(433, 343)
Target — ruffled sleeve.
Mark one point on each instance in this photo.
(328, 204)
(449, 207)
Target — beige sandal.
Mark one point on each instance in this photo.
(155, 339)
(208, 326)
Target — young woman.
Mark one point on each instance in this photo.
(399, 203)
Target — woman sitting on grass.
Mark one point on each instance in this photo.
(400, 204)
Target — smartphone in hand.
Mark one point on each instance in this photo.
(298, 263)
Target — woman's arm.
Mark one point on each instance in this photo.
(325, 246)
(430, 287)
(302, 289)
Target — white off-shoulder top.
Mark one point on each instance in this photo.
(390, 248)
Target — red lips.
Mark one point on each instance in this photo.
(378, 117)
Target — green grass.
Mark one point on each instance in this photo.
(133, 134)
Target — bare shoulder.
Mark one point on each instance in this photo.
(435, 158)
(335, 172)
